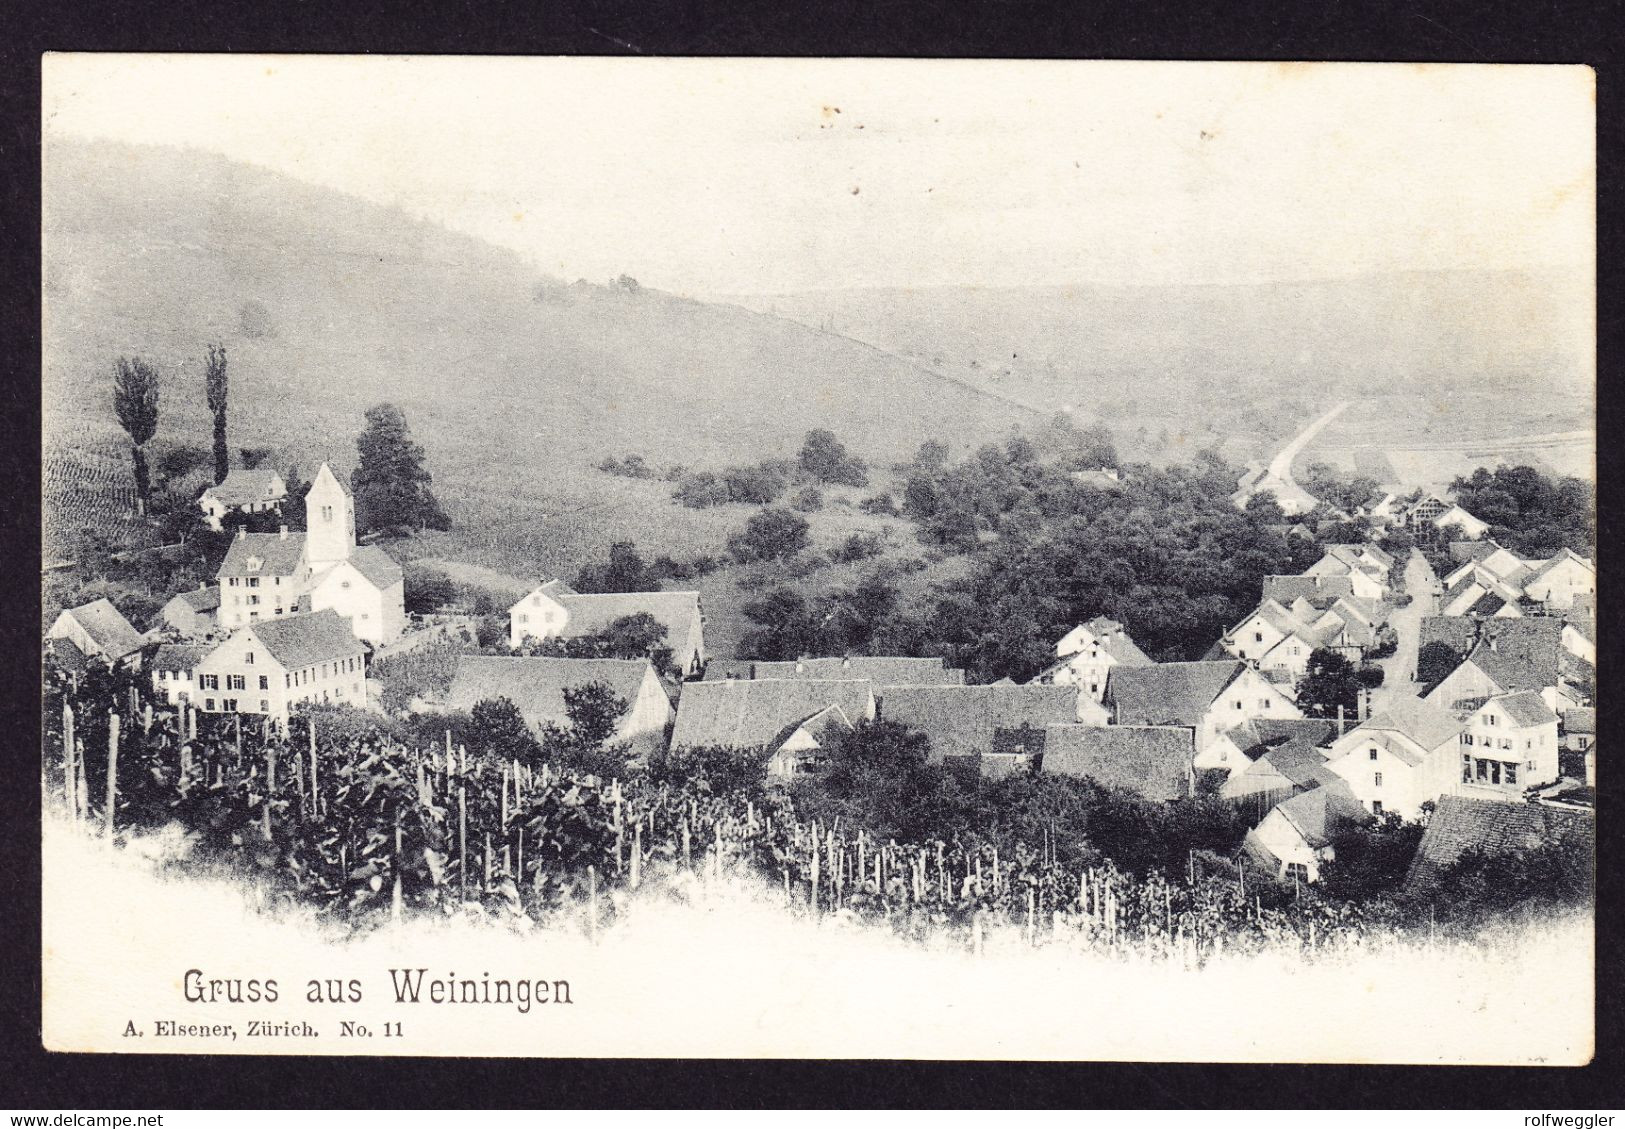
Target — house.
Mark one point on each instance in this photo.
(799, 748)
(1364, 580)
(1489, 827)
(1559, 581)
(747, 713)
(1295, 840)
(1509, 744)
(979, 721)
(194, 613)
(1288, 661)
(1208, 697)
(1579, 638)
(245, 490)
(882, 670)
(268, 576)
(555, 610)
(1363, 555)
(1280, 772)
(1499, 656)
(271, 666)
(98, 630)
(1285, 589)
(1292, 498)
(1405, 756)
(537, 687)
(1459, 521)
(1481, 595)
(1487, 557)
(67, 658)
(1579, 728)
(1100, 478)
(1088, 652)
(1240, 746)
(1151, 760)
(1258, 634)
(172, 666)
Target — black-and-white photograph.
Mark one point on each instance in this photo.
(997, 560)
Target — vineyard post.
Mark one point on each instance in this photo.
(504, 797)
(519, 873)
(462, 843)
(81, 785)
(146, 719)
(395, 899)
(487, 860)
(688, 862)
(112, 772)
(637, 854)
(299, 783)
(315, 782)
(70, 778)
(270, 789)
(237, 735)
(815, 877)
(1031, 940)
(615, 790)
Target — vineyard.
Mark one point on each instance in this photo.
(364, 830)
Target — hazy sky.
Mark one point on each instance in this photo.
(711, 177)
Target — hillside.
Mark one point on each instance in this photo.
(516, 386)
(1492, 353)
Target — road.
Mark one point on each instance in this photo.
(1399, 669)
(1281, 465)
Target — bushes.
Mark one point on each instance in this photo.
(826, 459)
(769, 535)
(808, 499)
(758, 484)
(632, 466)
(880, 505)
(427, 589)
(857, 547)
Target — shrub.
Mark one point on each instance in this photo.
(857, 547)
(701, 489)
(769, 535)
(826, 459)
(632, 466)
(808, 499)
(881, 504)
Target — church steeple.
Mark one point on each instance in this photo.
(329, 520)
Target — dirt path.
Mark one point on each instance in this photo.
(1399, 669)
(1281, 465)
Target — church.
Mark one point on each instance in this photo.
(273, 575)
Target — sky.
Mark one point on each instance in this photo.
(768, 176)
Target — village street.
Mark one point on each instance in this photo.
(1399, 669)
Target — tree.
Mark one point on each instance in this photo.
(498, 729)
(390, 483)
(879, 777)
(932, 455)
(215, 387)
(427, 589)
(135, 400)
(769, 535)
(825, 458)
(1434, 662)
(585, 745)
(1331, 682)
(1370, 859)
(787, 628)
(180, 460)
(252, 457)
(624, 572)
(293, 506)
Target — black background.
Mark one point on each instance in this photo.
(1526, 32)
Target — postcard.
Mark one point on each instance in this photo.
(984, 560)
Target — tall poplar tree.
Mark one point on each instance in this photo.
(135, 400)
(214, 383)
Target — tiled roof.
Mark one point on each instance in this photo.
(297, 641)
(1285, 589)
(1154, 761)
(537, 685)
(964, 720)
(1563, 555)
(1298, 759)
(822, 725)
(1254, 737)
(1487, 605)
(1463, 551)
(178, 656)
(882, 670)
(1526, 708)
(277, 554)
(107, 627)
(376, 565)
(202, 599)
(244, 486)
(1460, 824)
(748, 713)
(677, 612)
(1534, 640)
(1320, 813)
(1168, 693)
(1511, 671)
(1422, 722)
(1580, 719)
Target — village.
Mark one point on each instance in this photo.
(1491, 747)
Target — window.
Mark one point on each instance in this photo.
(345, 584)
(229, 705)
(287, 682)
(1376, 779)
(1296, 650)
(1373, 754)
(208, 682)
(1258, 637)
(1504, 743)
(1466, 769)
(208, 704)
(1512, 774)
(249, 658)
(1583, 741)
(338, 691)
(1490, 720)
(1238, 703)
(523, 618)
(1376, 807)
(253, 582)
(1297, 871)
(1263, 703)
(233, 582)
(236, 682)
(265, 706)
(265, 682)
(1466, 738)
(253, 615)
(327, 513)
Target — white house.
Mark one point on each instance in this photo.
(171, 667)
(556, 610)
(1560, 580)
(1457, 520)
(800, 748)
(267, 576)
(1085, 656)
(1400, 759)
(1258, 634)
(1365, 580)
(1208, 697)
(1296, 838)
(194, 613)
(1508, 745)
(269, 667)
(243, 491)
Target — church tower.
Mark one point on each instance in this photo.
(329, 520)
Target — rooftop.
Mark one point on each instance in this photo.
(537, 685)
(748, 713)
(298, 641)
(107, 628)
(1154, 761)
(1168, 693)
(966, 720)
(1461, 823)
